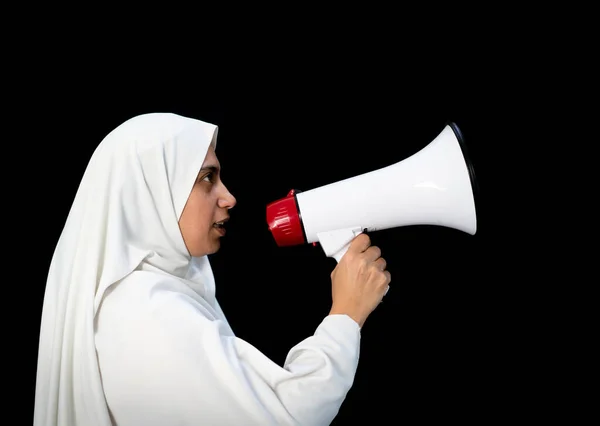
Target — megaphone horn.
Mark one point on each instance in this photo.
(435, 186)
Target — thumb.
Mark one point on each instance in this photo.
(360, 243)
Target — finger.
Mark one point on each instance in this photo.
(385, 292)
(373, 253)
(360, 243)
(381, 264)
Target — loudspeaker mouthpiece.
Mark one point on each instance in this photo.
(285, 222)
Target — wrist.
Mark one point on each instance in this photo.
(356, 318)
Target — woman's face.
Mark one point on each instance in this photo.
(206, 209)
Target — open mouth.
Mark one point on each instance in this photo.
(220, 224)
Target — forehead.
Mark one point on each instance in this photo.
(211, 157)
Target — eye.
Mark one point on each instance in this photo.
(209, 177)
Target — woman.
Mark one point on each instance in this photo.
(131, 331)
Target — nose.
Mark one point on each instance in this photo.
(227, 200)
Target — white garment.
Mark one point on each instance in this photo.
(131, 331)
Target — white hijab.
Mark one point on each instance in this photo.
(125, 213)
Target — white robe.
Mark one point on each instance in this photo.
(131, 333)
(169, 357)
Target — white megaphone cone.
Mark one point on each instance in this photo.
(435, 186)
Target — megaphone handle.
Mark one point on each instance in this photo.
(338, 256)
(336, 243)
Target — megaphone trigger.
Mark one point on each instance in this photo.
(335, 243)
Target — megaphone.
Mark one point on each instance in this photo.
(435, 186)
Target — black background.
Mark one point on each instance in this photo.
(448, 341)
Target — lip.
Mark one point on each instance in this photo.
(224, 220)
(221, 230)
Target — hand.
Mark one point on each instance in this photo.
(359, 281)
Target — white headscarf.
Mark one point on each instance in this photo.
(125, 213)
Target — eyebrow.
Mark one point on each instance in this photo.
(213, 169)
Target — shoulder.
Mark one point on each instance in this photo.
(150, 316)
(151, 295)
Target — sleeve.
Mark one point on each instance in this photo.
(170, 363)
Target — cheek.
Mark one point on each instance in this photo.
(196, 224)
(196, 216)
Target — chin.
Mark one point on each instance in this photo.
(200, 253)
(206, 247)
(214, 248)
(213, 251)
